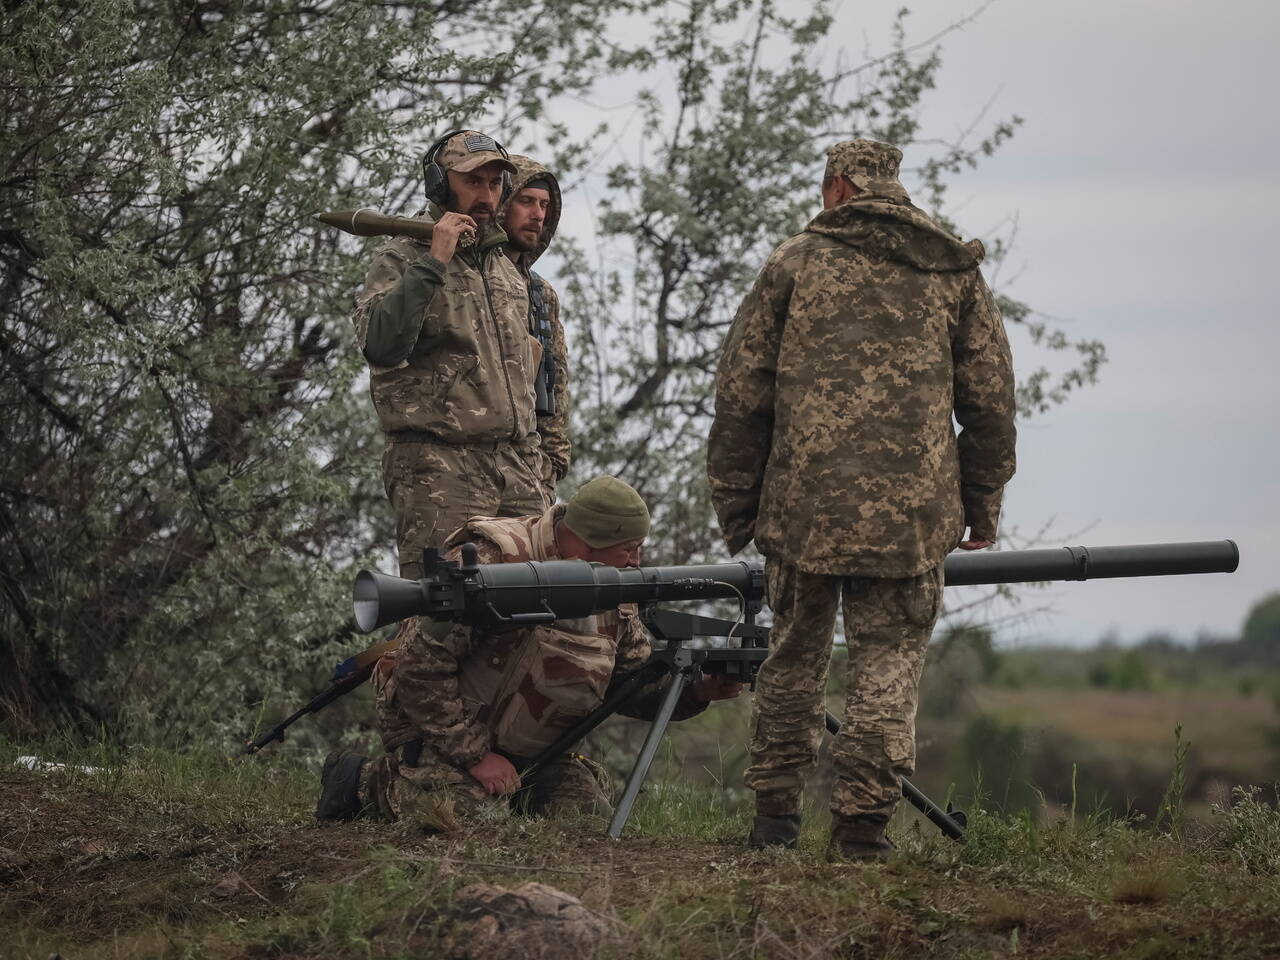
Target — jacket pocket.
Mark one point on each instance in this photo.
(451, 371)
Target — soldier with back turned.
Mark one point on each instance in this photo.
(833, 447)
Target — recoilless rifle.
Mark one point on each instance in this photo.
(506, 595)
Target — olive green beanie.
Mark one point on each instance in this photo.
(605, 511)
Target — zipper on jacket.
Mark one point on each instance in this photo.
(506, 376)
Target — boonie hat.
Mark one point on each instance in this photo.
(870, 165)
(605, 511)
(471, 149)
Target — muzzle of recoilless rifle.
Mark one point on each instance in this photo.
(533, 592)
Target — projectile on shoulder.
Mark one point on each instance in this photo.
(367, 222)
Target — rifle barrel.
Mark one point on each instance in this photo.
(1092, 563)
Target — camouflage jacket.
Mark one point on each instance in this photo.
(448, 345)
(469, 691)
(833, 443)
(553, 429)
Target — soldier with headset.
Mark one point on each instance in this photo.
(444, 326)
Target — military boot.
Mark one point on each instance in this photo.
(858, 839)
(340, 786)
(774, 830)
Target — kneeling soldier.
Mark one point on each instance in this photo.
(460, 708)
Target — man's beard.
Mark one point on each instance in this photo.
(487, 226)
(516, 240)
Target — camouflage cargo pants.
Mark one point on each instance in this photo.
(436, 796)
(436, 487)
(887, 626)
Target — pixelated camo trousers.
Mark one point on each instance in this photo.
(887, 625)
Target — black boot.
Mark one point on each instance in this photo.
(858, 839)
(774, 830)
(340, 786)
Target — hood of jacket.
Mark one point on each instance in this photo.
(896, 230)
(526, 171)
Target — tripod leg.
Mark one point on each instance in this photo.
(937, 816)
(647, 752)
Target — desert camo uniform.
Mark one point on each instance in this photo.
(444, 701)
(833, 447)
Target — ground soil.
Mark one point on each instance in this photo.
(93, 872)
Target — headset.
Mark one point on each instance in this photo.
(436, 178)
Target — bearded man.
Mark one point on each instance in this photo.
(444, 326)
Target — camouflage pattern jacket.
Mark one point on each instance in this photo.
(448, 345)
(471, 691)
(553, 429)
(833, 443)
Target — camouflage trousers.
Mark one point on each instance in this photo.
(887, 626)
(437, 487)
(438, 797)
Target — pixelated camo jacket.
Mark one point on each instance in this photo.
(833, 443)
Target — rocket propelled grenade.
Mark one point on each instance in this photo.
(367, 222)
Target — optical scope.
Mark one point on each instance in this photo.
(534, 592)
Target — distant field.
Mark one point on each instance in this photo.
(1226, 730)
(1119, 742)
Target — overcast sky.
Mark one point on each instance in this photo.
(1144, 182)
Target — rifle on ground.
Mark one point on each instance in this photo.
(347, 676)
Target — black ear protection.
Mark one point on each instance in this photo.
(436, 179)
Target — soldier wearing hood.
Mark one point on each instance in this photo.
(529, 217)
(833, 447)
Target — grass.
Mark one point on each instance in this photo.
(195, 855)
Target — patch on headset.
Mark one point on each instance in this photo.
(480, 143)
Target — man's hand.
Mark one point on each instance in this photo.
(975, 544)
(711, 686)
(496, 774)
(444, 238)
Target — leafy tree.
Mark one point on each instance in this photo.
(190, 466)
(1260, 636)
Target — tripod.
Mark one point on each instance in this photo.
(681, 663)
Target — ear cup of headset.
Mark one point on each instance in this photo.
(435, 178)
